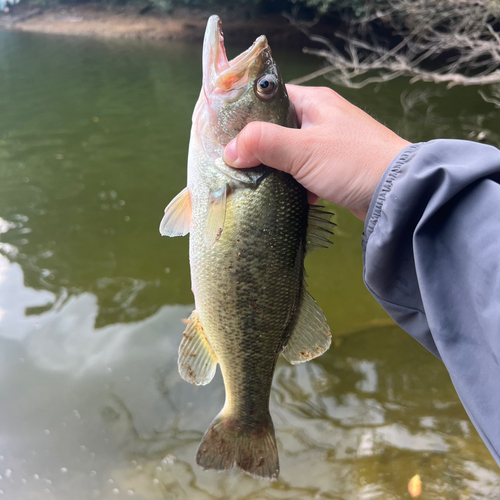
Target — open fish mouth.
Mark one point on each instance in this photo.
(219, 74)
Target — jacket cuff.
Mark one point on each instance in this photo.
(384, 188)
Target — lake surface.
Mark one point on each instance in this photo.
(93, 144)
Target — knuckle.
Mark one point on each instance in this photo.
(318, 99)
(327, 91)
(329, 96)
(249, 142)
(325, 102)
(302, 147)
(252, 134)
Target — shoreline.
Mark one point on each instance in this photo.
(93, 20)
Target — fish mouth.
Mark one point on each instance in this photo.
(219, 74)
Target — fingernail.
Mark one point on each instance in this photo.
(230, 153)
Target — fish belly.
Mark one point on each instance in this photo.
(247, 286)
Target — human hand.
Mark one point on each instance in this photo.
(338, 154)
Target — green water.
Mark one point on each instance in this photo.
(93, 142)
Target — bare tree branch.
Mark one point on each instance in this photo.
(442, 41)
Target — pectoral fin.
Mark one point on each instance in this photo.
(319, 228)
(216, 216)
(178, 217)
(197, 362)
(311, 335)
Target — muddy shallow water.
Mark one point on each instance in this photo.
(93, 141)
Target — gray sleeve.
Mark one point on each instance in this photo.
(431, 255)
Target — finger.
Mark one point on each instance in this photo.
(259, 142)
(313, 104)
(312, 198)
(296, 93)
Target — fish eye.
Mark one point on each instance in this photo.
(266, 87)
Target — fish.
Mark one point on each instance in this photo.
(250, 230)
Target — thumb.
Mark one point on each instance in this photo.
(261, 142)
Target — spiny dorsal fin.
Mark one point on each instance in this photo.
(311, 335)
(216, 216)
(319, 228)
(197, 361)
(178, 217)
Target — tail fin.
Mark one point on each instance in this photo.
(226, 443)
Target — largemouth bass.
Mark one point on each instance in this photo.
(249, 233)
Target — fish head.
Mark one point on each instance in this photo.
(247, 88)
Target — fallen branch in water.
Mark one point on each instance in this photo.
(455, 42)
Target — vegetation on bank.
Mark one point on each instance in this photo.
(305, 9)
(456, 42)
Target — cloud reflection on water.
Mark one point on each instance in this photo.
(102, 413)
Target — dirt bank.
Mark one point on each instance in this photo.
(129, 22)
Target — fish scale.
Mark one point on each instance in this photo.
(249, 232)
(245, 297)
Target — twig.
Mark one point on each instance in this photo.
(460, 33)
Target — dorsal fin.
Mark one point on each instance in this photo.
(319, 228)
(311, 335)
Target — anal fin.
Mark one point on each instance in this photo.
(178, 216)
(311, 335)
(197, 361)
